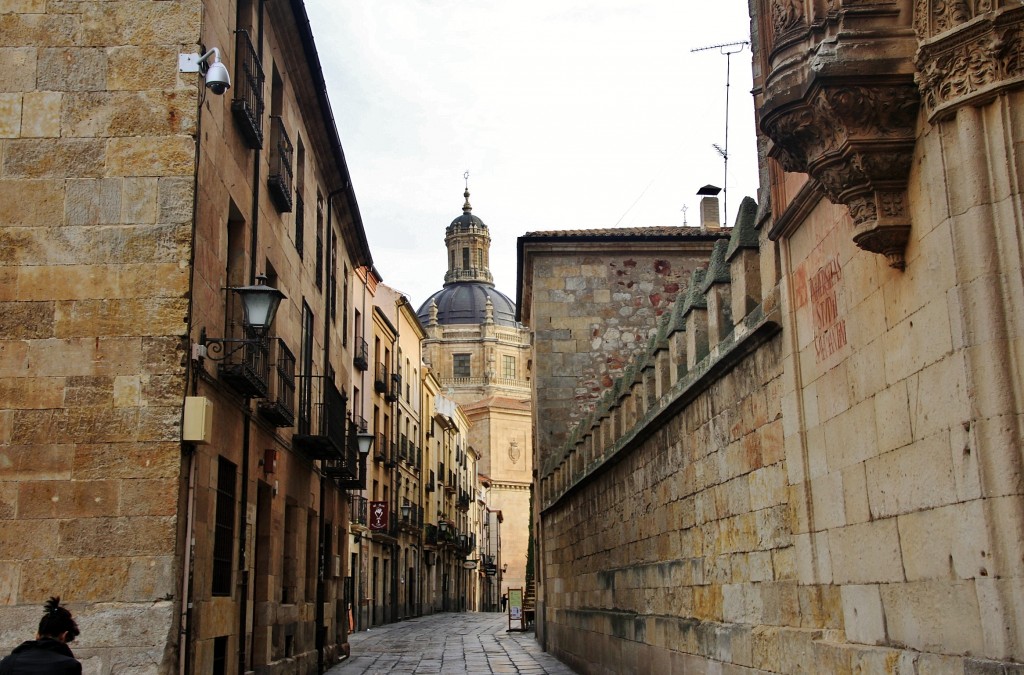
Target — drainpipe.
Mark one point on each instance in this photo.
(191, 382)
(243, 559)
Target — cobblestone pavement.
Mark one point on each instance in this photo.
(467, 642)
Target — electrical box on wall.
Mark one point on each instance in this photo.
(197, 425)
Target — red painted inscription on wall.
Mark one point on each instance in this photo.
(829, 326)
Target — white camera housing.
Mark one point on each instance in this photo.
(214, 72)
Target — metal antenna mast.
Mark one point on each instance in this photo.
(728, 49)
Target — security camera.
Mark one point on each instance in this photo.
(214, 72)
(217, 79)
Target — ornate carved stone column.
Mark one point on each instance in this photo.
(970, 51)
(841, 105)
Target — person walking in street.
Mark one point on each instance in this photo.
(49, 653)
(504, 601)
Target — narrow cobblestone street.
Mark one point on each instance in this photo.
(448, 643)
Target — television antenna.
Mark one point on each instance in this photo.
(728, 49)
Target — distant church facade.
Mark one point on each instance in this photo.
(481, 355)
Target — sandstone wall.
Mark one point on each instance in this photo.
(96, 184)
(601, 303)
(820, 479)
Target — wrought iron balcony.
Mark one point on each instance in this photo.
(348, 470)
(279, 406)
(247, 105)
(429, 487)
(357, 510)
(380, 448)
(247, 368)
(430, 532)
(395, 390)
(361, 359)
(380, 379)
(279, 180)
(322, 425)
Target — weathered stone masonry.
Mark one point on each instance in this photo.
(97, 164)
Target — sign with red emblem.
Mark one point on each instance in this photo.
(378, 516)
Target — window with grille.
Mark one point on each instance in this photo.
(224, 528)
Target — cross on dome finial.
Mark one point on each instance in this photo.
(466, 208)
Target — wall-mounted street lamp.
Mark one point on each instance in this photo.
(259, 305)
(365, 443)
(442, 527)
(406, 510)
(463, 540)
(504, 568)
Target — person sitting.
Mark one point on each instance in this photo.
(49, 653)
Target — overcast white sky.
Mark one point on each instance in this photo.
(568, 114)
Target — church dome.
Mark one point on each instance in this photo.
(467, 302)
(466, 220)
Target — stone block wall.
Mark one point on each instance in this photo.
(800, 473)
(97, 155)
(601, 294)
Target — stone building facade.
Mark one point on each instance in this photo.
(815, 464)
(173, 473)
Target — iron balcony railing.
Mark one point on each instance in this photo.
(360, 423)
(403, 447)
(380, 448)
(246, 367)
(362, 354)
(279, 180)
(279, 406)
(429, 487)
(349, 470)
(247, 104)
(395, 390)
(430, 532)
(322, 426)
(380, 379)
(357, 510)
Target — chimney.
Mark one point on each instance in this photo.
(710, 220)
